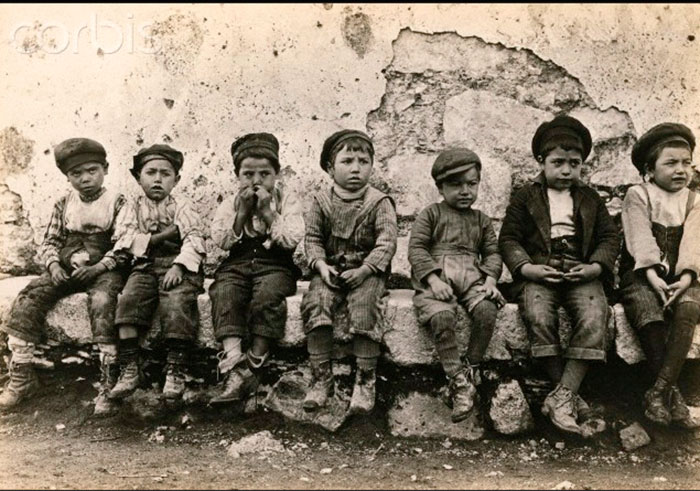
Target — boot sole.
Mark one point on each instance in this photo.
(458, 418)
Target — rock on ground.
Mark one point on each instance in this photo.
(423, 415)
(287, 396)
(634, 437)
(261, 443)
(509, 411)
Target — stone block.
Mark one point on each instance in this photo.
(509, 410)
(634, 437)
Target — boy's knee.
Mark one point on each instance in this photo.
(442, 326)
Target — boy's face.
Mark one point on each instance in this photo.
(562, 167)
(461, 190)
(87, 178)
(673, 168)
(158, 178)
(351, 169)
(256, 172)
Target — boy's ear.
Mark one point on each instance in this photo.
(177, 178)
(540, 159)
(106, 166)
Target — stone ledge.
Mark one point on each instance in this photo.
(405, 342)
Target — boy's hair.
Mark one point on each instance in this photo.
(553, 145)
(354, 144)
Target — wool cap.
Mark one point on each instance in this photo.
(263, 144)
(157, 151)
(563, 130)
(658, 136)
(337, 139)
(453, 161)
(75, 151)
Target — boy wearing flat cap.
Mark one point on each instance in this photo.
(660, 264)
(260, 225)
(350, 241)
(79, 256)
(166, 241)
(454, 259)
(560, 244)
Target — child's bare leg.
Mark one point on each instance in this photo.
(319, 342)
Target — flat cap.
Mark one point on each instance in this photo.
(562, 130)
(157, 151)
(654, 138)
(259, 144)
(337, 139)
(453, 161)
(75, 151)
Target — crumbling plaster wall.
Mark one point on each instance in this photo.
(417, 77)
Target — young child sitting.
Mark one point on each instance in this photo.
(167, 245)
(350, 241)
(454, 259)
(260, 225)
(559, 242)
(660, 264)
(78, 254)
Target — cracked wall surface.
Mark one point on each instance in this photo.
(416, 77)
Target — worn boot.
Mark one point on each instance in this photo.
(655, 403)
(321, 387)
(242, 380)
(680, 414)
(174, 385)
(23, 384)
(560, 407)
(364, 391)
(462, 395)
(583, 410)
(129, 381)
(109, 373)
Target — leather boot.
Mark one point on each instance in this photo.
(560, 407)
(129, 381)
(655, 403)
(109, 373)
(321, 387)
(241, 381)
(364, 391)
(23, 384)
(462, 395)
(680, 414)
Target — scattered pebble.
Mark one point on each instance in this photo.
(564, 485)
(494, 474)
(326, 470)
(414, 478)
(560, 445)
(660, 479)
(60, 427)
(447, 467)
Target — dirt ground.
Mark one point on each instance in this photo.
(52, 443)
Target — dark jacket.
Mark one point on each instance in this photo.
(526, 233)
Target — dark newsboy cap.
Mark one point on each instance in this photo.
(259, 144)
(563, 130)
(75, 151)
(157, 151)
(338, 138)
(453, 161)
(660, 135)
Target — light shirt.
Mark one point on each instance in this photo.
(561, 212)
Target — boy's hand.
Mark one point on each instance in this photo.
(171, 232)
(264, 205)
(492, 292)
(173, 277)
(583, 273)
(441, 290)
(86, 274)
(328, 273)
(678, 288)
(58, 274)
(658, 284)
(247, 197)
(353, 278)
(541, 273)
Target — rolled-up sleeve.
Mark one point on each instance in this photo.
(222, 225)
(287, 230)
(193, 249)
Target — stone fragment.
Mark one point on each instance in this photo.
(261, 443)
(634, 437)
(425, 416)
(509, 411)
(287, 396)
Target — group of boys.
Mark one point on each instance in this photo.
(557, 239)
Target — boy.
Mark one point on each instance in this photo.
(454, 259)
(260, 226)
(350, 241)
(559, 242)
(660, 264)
(167, 245)
(78, 254)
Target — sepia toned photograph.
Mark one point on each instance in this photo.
(349, 246)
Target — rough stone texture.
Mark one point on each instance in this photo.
(288, 393)
(634, 437)
(422, 415)
(510, 411)
(405, 342)
(416, 77)
(261, 443)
